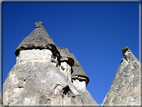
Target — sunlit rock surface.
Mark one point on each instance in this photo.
(35, 54)
(125, 88)
(38, 83)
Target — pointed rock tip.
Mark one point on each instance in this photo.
(38, 24)
(125, 48)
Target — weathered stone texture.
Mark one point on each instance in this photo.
(125, 88)
(38, 83)
(87, 97)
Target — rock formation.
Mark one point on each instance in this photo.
(45, 74)
(125, 88)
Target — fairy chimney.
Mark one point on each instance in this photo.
(43, 74)
(125, 88)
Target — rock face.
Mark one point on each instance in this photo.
(43, 74)
(125, 88)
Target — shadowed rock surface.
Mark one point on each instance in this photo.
(125, 88)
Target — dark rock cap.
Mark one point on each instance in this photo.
(65, 56)
(38, 39)
(125, 48)
(78, 72)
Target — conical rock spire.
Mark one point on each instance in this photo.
(125, 88)
(38, 39)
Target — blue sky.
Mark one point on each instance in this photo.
(94, 32)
